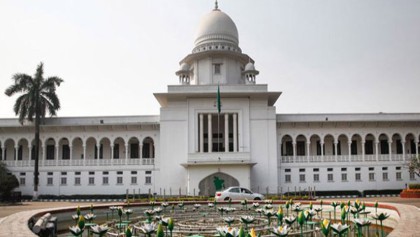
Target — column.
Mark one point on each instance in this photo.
(349, 144)
(16, 152)
(390, 150)
(112, 153)
(322, 150)
(403, 149)
(376, 150)
(201, 134)
(363, 150)
(57, 151)
(209, 133)
(226, 132)
(235, 133)
(336, 151)
(3, 156)
(30, 154)
(140, 150)
(84, 154)
(294, 151)
(126, 153)
(417, 147)
(71, 152)
(308, 148)
(44, 152)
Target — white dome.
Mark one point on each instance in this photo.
(184, 67)
(249, 67)
(217, 26)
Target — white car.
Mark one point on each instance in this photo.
(237, 193)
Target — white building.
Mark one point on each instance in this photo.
(189, 144)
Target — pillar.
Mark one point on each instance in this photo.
(294, 151)
(336, 151)
(349, 145)
(30, 153)
(377, 150)
(140, 150)
(126, 153)
(84, 154)
(201, 134)
(235, 133)
(363, 150)
(71, 152)
(403, 149)
(209, 133)
(390, 150)
(308, 147)
(226, 132)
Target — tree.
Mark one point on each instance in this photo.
(37, 96)
(8, 182)
(414, 166)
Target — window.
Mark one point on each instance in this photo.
(116, 151)
(369, 147)
(119, 172)
(287, 170)
(119, 180)
(91, 180)
(384, 147)
(50, 173)
(412, 176)
(353, 147)
(384, 168)
(300, 148)
(77, 181)
(217, 68)
(134, 150)
(63, 173)
(22, 181)
(148, 172)
(133, 180)
(385, 176)
(148, 180)
(105, 172)
(133, 172)
(63, 181)
(371, 168)
(330, 178)
(316, 177)
(91, 172)
(329, 169)
(105, 180)
(50, 181)
(398, 176)
(65, 152)
(50, 152)
(399, 147)
(357, 169)
(289, 149)
(344, 177)
(371, 176)
(302, 178)
(316, 169)
(77, 173)
(287, 178)
(301, 170)
(398, 168)
(358, 177)
(343, 169)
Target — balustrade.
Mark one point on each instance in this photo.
(80, 162)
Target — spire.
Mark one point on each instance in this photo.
(216, 5)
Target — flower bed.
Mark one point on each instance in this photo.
(410, 193)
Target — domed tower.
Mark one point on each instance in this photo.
(216, 57)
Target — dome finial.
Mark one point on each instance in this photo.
(216, 5)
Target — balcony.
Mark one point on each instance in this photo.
(219, 158)
(99, 162)
(345, 158)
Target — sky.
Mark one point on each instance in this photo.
(325, 56)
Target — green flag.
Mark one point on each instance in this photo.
(218, 99)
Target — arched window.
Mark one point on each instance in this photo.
(148, 148)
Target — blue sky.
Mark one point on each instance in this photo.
(325, 56)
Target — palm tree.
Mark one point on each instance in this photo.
(37, 96)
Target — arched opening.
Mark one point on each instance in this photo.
(301, 146)
(50, 149)
(23, 150)
(397, 146)
(329, 147)
(383, 144)
(342, 145)
(133, 148)
(64, 148)
(356, 145)
(118, 148)
(369, 144)
(216, 182)
(77, 148)
(410, 144)
(148, 148)
(105, 149)
(286, 146)
(315, 145)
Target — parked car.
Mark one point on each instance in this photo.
(237, 193)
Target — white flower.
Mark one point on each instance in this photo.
(99, 229)
(247, 219)
(281, 230)
(90, 216)
(225, 230)
(255, 204)
(339, 228)
(164, 204)
(147, 228)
